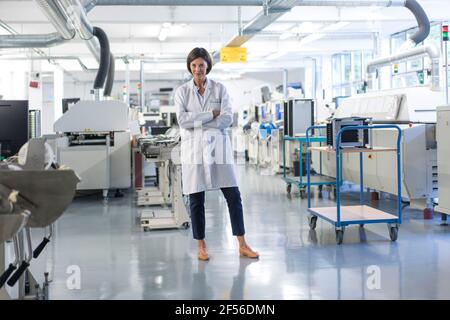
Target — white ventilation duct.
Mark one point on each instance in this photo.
(429, 50)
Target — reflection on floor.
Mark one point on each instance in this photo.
(117, 260)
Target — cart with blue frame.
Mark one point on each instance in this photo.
(316, 180)
(342, 216)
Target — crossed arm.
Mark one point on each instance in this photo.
(217, 119)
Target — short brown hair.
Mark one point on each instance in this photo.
(199, 53)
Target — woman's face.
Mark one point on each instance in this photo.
(198, 69)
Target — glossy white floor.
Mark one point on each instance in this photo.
(117, 260)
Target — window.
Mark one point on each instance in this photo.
(413, 72)
(348, 72)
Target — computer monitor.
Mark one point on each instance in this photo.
(173, 119)
(13, 126)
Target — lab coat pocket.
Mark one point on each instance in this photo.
(214, 103)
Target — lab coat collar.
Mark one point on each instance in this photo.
(207, 91)
(207, 82)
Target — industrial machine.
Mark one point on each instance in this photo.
(414, 110)
(443, 154)
(298, 116)
(252, 142)
(170, 210)
(168, 115)
(96, 143)
(357, 138)
(34, 193)
(13, 126)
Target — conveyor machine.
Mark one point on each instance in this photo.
(170, 210)
(414, 110)
(96, 143)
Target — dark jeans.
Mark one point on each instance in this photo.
(197, 207)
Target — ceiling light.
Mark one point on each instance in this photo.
(164, 31)
(336, 26)
(286, 35)
(316, 36)
(308, 27)
(276, 55)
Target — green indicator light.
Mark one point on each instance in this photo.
(445, 33)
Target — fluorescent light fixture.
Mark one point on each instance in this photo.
(276, 55)
(286, 35)
(311, 38)
(316, 36)
(164, 31)
(304, 27)
(336, 26)
(308, 27)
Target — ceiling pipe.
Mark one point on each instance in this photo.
(352, 3)
(69, 18)
(430, 50)
(271, 12)
(49, 58)
(92, 3)
(58, 18)
(74, 15)
(276, 8)
(110, 78)
(30, 41)
(422, 21)
(104, 58)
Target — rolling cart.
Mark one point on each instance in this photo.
(316, 180)
(342, 216)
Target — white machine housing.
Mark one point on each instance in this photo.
(443, 156)
(418, 148)
(99, 165)
(163, 150)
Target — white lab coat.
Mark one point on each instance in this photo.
(206, 155)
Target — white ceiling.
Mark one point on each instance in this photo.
(134, 30)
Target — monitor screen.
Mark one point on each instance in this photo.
(13, 126)
(173, 119)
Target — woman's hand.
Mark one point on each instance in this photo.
(216, 113)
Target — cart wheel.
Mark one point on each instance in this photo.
(185, 225)
(361, 225)
(339, 236)
(312, 222)
(302, 194)
(145, 229)
(288, 188)
(393, 233)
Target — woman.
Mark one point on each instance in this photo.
(204, 113)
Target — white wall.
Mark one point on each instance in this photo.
(14, 80)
